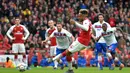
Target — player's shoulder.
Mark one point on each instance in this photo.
(13, 26)
(47, 29)
(113, 28)
(87, 20)
(96, 23)
(51, 29)
(55, 30)
(106, 22)
(64, 30)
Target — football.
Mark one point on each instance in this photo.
(22, 67)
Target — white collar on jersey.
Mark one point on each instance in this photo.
(102, 22)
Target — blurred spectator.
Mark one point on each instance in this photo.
(81, 60)
(112, 21)
(93, 62)
(9, 63)
(42, 32)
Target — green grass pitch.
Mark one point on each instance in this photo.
(79, 70)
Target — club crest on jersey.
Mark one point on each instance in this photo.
(21, 28)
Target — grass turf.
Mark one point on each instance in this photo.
(79, 70)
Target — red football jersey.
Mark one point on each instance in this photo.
(53, 39)
(18, 33)
(85, 36)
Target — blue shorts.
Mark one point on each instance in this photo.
(112, 48)
(58, 51)
(101, 47)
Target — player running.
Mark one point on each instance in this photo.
(100, 45)
(81, 42)
(19, 35)
(63, 39)
(109, 37)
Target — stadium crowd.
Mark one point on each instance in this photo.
(35, 14)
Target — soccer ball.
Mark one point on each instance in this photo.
(22, 67)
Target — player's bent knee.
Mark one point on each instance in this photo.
(109, 55)
(116, 59)
(68, 53)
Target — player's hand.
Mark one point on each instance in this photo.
(72, 21)
(23, 38)
(13, 38)
(48, 42)
(44, 41)
(98, 38)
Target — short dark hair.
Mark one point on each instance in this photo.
(83, 11)
(59, 23)
(100, 14)
(104, 24)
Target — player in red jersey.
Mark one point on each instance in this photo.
(18, 34)
(81, 42)
(52, 41)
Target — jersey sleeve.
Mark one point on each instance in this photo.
(86, 24)
(68, 33)
(93, 26)
(113, 29)
(26, 32)
(9, 32)
(52, 35)
(108, 25)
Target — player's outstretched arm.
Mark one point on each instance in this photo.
(98, 38)
(71, 39)
(79, 25)
(93, 34)
(118, 28)
(48, 38)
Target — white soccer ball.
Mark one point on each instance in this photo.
(22, 67)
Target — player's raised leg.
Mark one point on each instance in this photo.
(113, 53)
